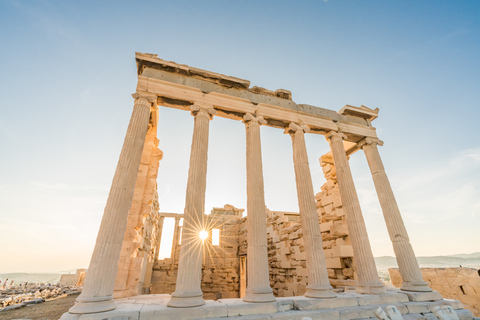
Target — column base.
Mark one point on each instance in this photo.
(94, 305)
(415, 286)
(251, 296)
(319, 293)
(371, 289)
(186, 301)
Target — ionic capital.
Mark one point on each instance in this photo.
(369, 141)
(249, 119)
(145, 100)
(296, 128)
(334, 135)
(206, 111)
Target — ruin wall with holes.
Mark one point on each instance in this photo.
(220, 268)
(222, 263)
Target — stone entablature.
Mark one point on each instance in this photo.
(179, 86)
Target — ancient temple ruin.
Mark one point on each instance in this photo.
(287, 265)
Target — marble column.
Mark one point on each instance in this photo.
(318, 285)
(188, 292)
(174, 242)
(368, 280)
(258, 286)
(98, 287)
(407, 262)
(158, 238)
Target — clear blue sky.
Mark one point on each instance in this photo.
(67, 70)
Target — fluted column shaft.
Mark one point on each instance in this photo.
(158, 238)
(188, 292)
(258, 286)
(407, 262)
(98, 288)
(368, 280)
(318, 285)
(174, 242)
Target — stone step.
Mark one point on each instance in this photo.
(346, 306)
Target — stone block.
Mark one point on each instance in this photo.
(339, 229)
(241, 308)
(325, 226)
(326, 200)
(337, 200)
(417, 307)
(327, 314)
(302, 303)
(300, 256)
(302, 272)
(455, 304)
(465, 314)
(339, 274)
(348, 272)
(329, 253)
(328, 208)
(343, 251)
(293, 235)
(284, 304)
(357, 313)
(422, 296)
(331, 273)
(328, 244)
(211, 309)
(334, 263)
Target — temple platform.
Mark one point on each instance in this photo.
(347, 305)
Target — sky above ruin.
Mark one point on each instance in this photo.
(67, 71)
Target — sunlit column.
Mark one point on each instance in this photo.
(98, 287)
(318, 284)
(188, 292)
(407, 262)
(174, 242)
(258, 287)
(368, 280)
(158, 238)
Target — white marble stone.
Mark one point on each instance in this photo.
(318, 285)
(423, 296)
(188, 292)
(97, 294)
(407, 262)
(368, 279)
(344, 306)
(258, 283)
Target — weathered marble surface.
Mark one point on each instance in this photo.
(345, 306)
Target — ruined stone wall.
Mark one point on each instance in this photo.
(141, 224)
(220, 268)
(73, 279)
(286, 254)
(336, 241)
(452, 283)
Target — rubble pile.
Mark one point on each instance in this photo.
(452, 283)
(15, 297)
